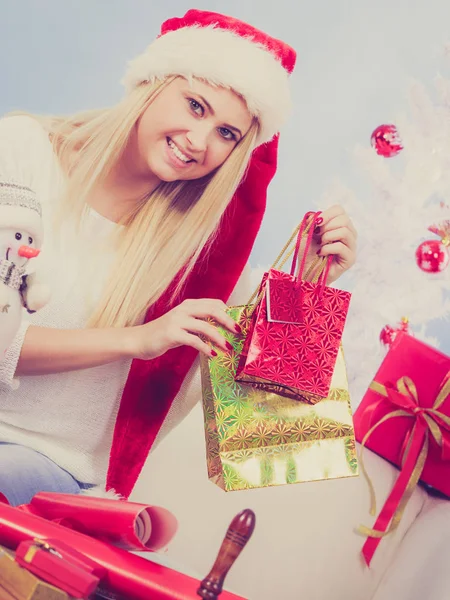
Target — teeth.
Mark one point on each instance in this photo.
(178, 152)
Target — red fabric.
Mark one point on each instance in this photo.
(284, 53)
(152, 385)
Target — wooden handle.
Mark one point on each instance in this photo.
(238, 534)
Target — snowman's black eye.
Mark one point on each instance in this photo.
(18, 236)
(30, 240)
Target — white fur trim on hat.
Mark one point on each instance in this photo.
(20, 209)
(222, 58)
(100, 492)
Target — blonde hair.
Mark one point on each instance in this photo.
(166, 232)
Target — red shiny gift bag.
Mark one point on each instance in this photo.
(60, 565)
(405, 417)
(296, 329)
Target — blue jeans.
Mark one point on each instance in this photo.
(25, 472)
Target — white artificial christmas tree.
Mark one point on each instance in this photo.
(407, 194)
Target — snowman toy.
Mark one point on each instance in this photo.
(21, 234)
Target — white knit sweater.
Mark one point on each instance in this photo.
(69, 417)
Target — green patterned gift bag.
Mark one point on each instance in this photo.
(256, 438)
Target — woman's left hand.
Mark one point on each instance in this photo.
(336, 235)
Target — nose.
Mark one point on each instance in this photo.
(27, 252)
(197, 139)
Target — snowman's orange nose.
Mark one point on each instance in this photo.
(27, 252)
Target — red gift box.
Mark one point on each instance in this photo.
(404, 417)
(296, 329)
(60, 565)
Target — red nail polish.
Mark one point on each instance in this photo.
(316, 229)
(319, 251)
(238, 328)
(213, 353)
(319, 221)
(228, 345)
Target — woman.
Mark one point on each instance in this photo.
(150, 212)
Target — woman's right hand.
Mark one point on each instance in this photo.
(182, 326)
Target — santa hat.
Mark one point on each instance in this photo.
(226, 52)
(21, 210)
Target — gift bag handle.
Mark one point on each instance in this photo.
(285, 254)
(280, 261)
(307, 226)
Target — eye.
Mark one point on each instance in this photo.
(30, 240)
(227, 134)
(196, 107)
(18, 236)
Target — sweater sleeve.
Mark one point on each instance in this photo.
(23, 143)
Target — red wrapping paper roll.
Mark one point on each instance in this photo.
(113, 521)
(127, 574)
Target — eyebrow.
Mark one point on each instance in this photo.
(211, 110)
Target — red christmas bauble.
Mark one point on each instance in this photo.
(388, 333)
(432, 256)
(385, 140)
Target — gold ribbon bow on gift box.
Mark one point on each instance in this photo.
(415, 450)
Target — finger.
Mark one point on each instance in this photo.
(340, 250)
(187, 339)
(212, 309)
(330, 213)
(337, 217)
(343, 234)
(209, 332)
(335, 223)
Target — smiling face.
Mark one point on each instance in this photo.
(188, 131)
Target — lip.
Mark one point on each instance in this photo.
(174, 160)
